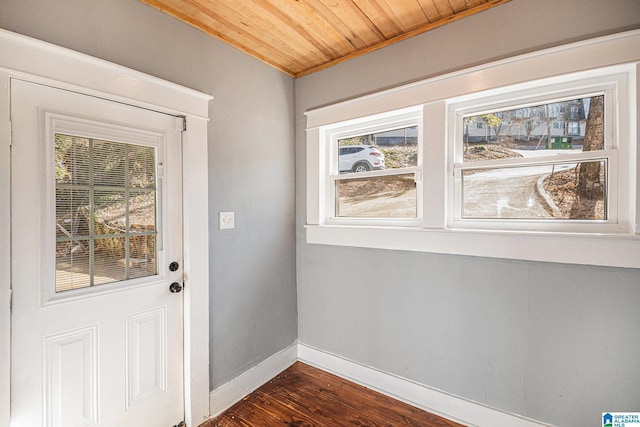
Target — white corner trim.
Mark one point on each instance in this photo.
(195, 215)
(437, 402)
(235, 390)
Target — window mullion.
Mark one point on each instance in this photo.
(534, 161)
(370, 174)
(435, 185)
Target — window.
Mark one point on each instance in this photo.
(373, 169)
(523, 171)
(575, 129)
(105, 212)
(505, 166)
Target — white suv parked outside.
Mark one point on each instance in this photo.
(360, 158)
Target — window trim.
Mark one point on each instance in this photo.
(384, 122)
(619, 53)
(62, 123)
(613, 84)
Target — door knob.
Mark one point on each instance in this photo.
(175, 287)
(174, 266)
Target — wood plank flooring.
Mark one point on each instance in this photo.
(303, 396)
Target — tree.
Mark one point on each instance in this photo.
(494, 122)
(589, 185)
(356, 140)
(530, 118)
(467, 121)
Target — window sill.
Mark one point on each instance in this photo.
(604, 249)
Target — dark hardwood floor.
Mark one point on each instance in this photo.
(306, 396)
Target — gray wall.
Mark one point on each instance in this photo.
(251, 158)
(557, 343)
(554, 342)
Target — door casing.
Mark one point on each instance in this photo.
(39, 62)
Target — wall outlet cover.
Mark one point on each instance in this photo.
(227, 220)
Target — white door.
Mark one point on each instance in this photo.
(97, 334)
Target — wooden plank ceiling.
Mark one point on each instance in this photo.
(300, 37)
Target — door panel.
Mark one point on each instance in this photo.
(70, 378)
(97, 337)
(146, 347)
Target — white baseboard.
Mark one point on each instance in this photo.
(235, 390)
(437, 402)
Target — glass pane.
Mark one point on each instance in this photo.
(105, 212)
(142, 212)
(377, 197)
(142, 171)
(110, 212)
(72, 213)
(559, 191)
(72, 265)
(391, 149)
(109, 260)
(142, 256)
(109, 165)
(72, 156)
(574, 125)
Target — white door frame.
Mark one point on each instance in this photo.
(39, 62)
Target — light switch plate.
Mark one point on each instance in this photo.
(227, 220)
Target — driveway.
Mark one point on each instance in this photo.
(494, 194)
(395, 204)
(510, 192)
(497, 193)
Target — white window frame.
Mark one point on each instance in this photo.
(384, 122)
(609, 82)
(57, 123)
(592, 66)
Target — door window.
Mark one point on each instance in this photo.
(105, 210)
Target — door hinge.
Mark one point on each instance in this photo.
(181, 124)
